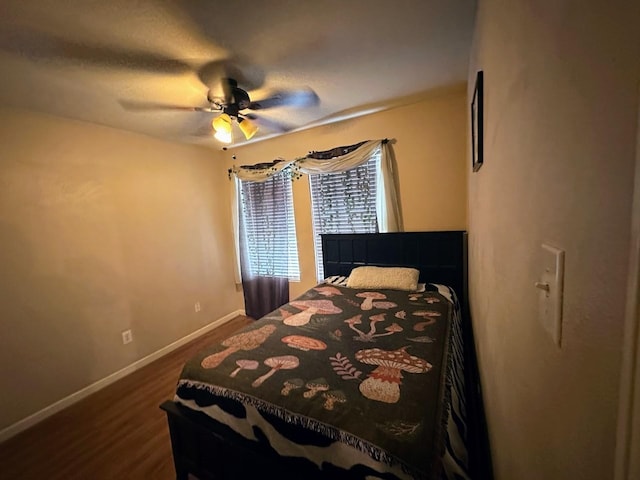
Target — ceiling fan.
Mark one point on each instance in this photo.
(236, 100)
(235, 105)
(221, 77)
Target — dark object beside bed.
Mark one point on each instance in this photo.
(209, 449)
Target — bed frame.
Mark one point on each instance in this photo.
(206, 448)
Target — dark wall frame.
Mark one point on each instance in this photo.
(477, 123)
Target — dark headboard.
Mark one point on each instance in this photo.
(441, 257)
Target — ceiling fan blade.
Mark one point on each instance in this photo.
(287, 98)
(151, 106)
(212, 74)
(228, 84)
(43, 47)
(224, 94)
(268, 123)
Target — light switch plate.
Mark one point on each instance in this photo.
(550, 291)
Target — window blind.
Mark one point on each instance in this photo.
(269, 228)
(343, 202)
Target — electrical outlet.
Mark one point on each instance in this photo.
(127, 337)
(197, 307)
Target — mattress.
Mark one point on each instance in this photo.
(352, 382)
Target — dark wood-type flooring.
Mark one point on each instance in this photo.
(116, 433)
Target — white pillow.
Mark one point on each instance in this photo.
(391, 278)
(341, 281)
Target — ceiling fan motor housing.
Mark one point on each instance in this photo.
(240, 98)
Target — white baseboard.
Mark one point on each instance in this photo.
(40, 415)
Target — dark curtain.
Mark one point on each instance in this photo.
(264, 294)
(336, 152)
(261, 294)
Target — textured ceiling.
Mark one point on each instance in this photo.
(113, 62)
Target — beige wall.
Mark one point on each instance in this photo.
(101, 231)
(561, 101)
(429, 146)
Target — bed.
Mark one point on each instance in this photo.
(343, 382)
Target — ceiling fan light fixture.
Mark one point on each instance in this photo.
(223, 128)
(223, 136)
(248, 127)
(222, 123)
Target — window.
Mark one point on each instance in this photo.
(344, 203)
(269, 228)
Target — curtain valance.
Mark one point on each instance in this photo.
(336, 160)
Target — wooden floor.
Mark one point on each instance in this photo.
(116, 433)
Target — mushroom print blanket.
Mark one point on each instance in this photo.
(357, 380)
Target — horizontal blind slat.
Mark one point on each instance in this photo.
(343, 203)
(269, 224)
